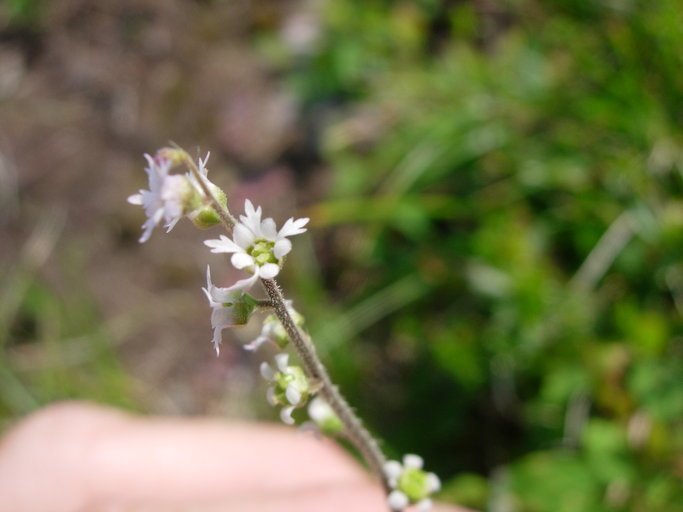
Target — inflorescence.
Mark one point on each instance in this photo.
(259, 248)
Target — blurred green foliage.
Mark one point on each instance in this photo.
(508, 219)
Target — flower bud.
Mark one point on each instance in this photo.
(203, 215)
(175, 155)
(324, 417)
(273, 330)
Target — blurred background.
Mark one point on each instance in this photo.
(493, 271)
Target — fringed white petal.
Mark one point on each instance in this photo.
(224, 244)
(293, 227)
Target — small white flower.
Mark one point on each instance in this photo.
(410, 484)
(230, 308)
(256, 245)
(289, 386)
(165, 198)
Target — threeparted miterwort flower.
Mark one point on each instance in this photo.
(165, 198)
(257, 246)
(409, 483)
(289, 386)
(324, 417)
(172, 196)
(231, 308)
(273, 330)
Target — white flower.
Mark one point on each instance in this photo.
(165, 198)
(289, 386)
(257, 246)
(409, 483)
(230, 308)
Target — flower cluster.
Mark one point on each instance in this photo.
(257, 246)
(289, 386)
(172, 196)
(409, 483)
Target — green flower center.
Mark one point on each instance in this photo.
(262, 252)
(413, 482)
(294, 375)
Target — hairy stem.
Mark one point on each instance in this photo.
(354, 429)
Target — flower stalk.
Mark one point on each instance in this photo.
(354, 429)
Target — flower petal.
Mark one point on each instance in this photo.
(393, 469)
(424, 505)
(135, 199)
(293, 394)
(397, 500)
(286, 415)
(243, 236)
(281, 361)
(252, 219)
(254, 345)
(241, 259)
(268, 271)
(413, 461)
(242, 284)
(223, 317)
(282, 247)
(433, 482)
(293, 227)
(224, 244)
(268, 229)
(217, 340)
(267, 371)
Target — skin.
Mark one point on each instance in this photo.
(78, 457)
